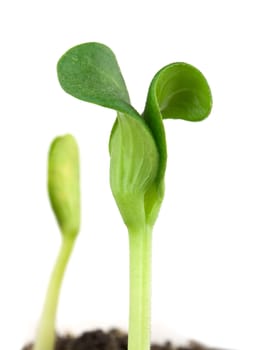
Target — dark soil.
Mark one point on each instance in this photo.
(112, 340)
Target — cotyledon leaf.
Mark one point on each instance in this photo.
(90, 72)
(177, 91)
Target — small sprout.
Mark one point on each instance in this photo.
(138, 152)
(63, 184)
(64, 193)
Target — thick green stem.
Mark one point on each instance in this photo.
(140, 243)
(46, 332)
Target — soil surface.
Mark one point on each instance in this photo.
(112, 340)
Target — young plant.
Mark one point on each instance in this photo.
(64, 193)
(138, 152)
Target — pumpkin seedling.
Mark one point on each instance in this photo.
(64, 193)
(138, 153)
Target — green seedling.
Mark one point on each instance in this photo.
(64, 193)
(138, 153)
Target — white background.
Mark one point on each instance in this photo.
(209, 255)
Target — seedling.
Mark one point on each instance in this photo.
(64, 193)
(138, 153)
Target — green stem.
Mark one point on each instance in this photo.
(140, 244)
(45, 339)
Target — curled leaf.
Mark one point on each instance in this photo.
(177, 91)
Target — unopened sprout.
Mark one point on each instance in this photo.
(64, 193)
